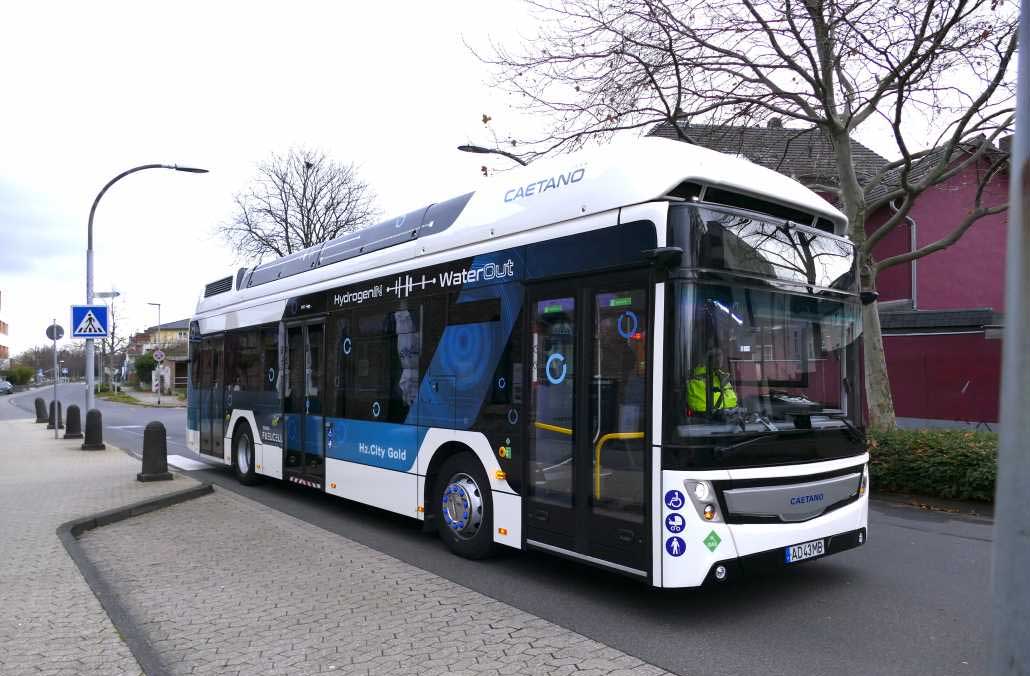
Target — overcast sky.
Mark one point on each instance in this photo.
(91, 89)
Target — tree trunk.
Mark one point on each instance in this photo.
(877, 383)
(878, 397)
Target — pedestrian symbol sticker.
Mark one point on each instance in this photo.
(89, 321)
(674, 500)
(675, 546)
(675, 523)
(712, 541)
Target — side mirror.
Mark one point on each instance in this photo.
(868, 297)
(664, 257)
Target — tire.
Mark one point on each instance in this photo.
(243, 456)
(466, 511)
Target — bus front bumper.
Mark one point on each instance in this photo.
(776, 559)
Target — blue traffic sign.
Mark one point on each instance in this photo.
(89, 321)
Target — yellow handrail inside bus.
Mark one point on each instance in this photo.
(612, 436)
(553, 428)
(597, 455)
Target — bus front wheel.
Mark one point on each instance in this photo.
(463, 497)
(243, 456)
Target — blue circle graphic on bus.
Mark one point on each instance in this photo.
(558, 358)
(675, 546)
(675, 523)
(628, 324)
(376, 409)
(346, 345)
(674, 500)
(501, 383)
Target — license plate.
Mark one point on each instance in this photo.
(805, 550)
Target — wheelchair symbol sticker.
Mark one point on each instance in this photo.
(674, 500)
(558, 358)
(628, 324)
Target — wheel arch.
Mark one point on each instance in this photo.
(446, 450)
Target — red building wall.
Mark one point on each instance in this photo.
(968, 274)
(945, 377)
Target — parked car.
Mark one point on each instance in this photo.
(6, 387)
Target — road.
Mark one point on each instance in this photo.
(914, 600)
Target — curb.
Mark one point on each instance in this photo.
(123, 622)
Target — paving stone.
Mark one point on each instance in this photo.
(343, 608)
(51, 623)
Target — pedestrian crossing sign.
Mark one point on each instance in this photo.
(89, 321)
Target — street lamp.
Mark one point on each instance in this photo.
(89, 259)
(159, 383)
(103, 351)
(492, 151)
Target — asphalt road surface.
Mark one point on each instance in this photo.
(914, 600)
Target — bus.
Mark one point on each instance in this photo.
(643, 356)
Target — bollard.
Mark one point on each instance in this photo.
(41, 415)
(60, 420)
(155, 453)
(94, 431)
(74, 427)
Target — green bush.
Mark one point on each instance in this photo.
(145, 365)
(19, 375)
(954, 464)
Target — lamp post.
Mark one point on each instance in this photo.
(492, 151)
(90, 377)
(103, 350)
(158, 347)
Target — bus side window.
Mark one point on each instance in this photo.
(385, 373)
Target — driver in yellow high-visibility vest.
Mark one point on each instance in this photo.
(723, 394)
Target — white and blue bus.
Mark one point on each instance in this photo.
(643, 357)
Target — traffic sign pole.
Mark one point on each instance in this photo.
(54, 334)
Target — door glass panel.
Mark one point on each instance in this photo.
(617, 395)
(313, 449)
(217, 398)
(552, 379)
(294, 396)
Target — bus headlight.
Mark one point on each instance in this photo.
(702, 495)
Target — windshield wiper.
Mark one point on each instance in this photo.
(843, 417)
(725, 451)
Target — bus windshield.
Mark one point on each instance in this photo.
(752, 360)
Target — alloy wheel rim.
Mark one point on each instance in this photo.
(462, 506)
(243, 454)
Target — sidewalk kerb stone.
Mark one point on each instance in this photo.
(122, 619)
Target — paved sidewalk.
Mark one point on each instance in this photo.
(50, 621)
(225, 585)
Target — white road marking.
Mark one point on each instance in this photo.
(182, 462)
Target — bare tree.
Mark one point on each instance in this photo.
(933, 73)
(296, 201)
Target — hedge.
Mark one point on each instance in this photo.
(954, 464)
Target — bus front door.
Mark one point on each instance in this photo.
(587, 487)
(303, 405)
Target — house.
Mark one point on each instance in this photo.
(172, 338)
(941, 315)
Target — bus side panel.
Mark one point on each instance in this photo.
(383, 488)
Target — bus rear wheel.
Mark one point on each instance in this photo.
(243, 456)
(463, 497)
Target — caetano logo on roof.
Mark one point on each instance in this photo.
(543, 185)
